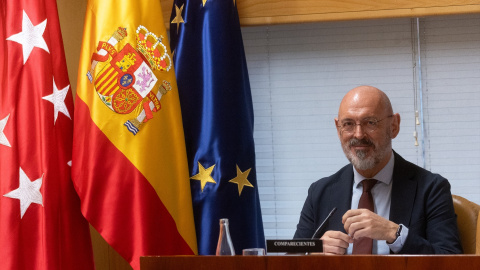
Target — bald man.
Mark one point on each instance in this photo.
(413, 209)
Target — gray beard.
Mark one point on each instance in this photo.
(360, 160)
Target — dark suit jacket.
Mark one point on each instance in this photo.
(420, 200)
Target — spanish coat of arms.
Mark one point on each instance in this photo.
(126, 82)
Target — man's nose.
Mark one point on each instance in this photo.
(359, 131)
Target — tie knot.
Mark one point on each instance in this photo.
(368, 184)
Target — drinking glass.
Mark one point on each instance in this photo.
(253, 252)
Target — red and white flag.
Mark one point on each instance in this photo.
(41, 226)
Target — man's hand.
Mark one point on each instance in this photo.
(364, 223)
(335, 242)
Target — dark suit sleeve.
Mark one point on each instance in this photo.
(435, 231)
(305, 226)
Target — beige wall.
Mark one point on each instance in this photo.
(71, 14)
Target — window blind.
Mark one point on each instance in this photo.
(299, 74)
(451, 56)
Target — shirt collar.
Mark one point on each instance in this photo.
(384, 175)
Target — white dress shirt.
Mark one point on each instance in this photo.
(381, 193)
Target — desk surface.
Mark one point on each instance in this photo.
(350, 262)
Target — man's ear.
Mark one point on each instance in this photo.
(395, 127)
(337, 126)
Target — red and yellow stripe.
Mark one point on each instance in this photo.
(106, 81)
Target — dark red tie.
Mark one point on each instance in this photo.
(364, 244)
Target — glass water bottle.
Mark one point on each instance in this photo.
(225, 245)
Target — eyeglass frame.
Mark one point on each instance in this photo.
(362, 124)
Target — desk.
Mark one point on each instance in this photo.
(350, 262)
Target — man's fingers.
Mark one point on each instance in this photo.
(365, 223)
(335, 242)
(352, 213)
(337, 235)
(358, 227)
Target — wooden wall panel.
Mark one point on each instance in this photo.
(261, 12)
(71, 14)
(106, 258)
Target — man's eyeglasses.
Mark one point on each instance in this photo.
(368, 124)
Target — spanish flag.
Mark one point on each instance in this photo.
(129, 159)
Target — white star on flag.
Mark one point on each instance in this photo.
(3, 138)
(28, 192)
(58, 100)
(30, 37)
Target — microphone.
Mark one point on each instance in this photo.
(324, 224)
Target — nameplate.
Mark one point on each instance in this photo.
(295, 246)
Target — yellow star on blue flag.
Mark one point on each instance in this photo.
(204, 175)
(241, 180)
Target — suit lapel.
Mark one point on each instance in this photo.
(404, 190)
(341, 198)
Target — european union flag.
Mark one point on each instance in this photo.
(217, 116)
